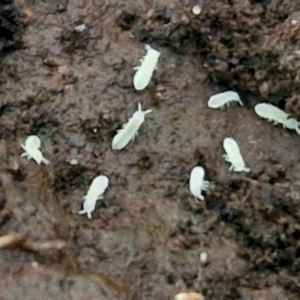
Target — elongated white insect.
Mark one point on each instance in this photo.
(233, 155)
(271, 113)
(129, 130)
(221, 99)
(197, 182)
(31, 148)
(145, 71)
(277, 116)
(94, 193)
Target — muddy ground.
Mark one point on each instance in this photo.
(74, 90)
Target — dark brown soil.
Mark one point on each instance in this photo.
(74, 90)
(249, 46)
(10, 27)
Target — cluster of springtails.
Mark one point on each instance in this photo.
(129, 131)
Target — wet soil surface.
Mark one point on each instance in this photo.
(74, 90)
(252, 46)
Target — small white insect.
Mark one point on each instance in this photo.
(221, 99)
(271, 113)
(129, 130)
(277, 116)
(94, 193)
(233, 155)
(31, 148)
(144, 72)
(197, 182)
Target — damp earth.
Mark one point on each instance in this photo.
(73, 88)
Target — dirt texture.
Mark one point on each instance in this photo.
(74, 90)
(249, 46)
(10, 27)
